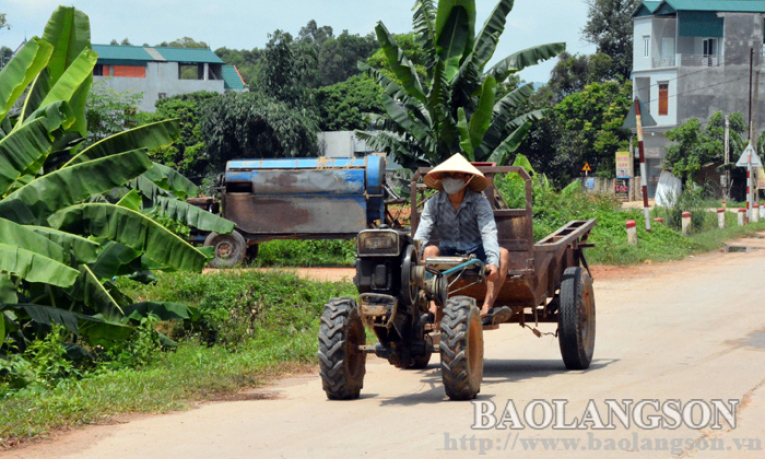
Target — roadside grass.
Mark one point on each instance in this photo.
(306, 253)
(251, 326)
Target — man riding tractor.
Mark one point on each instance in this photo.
(459, 221)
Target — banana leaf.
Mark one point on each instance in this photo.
(481, 119)
(95, 327)
(22, 237)
(131, 229)
(402, 68)
(84, 250)
(424, 22)
(68, 30)
(24, 148)
(116, 259)
(192, 215)
(499, 124)
(7, 291)
(34, 267)
(487, 40)
(454, 36)
(150, 137)
(518, 61)
(169, 179)
(73, 78)
(401, 117)
(21, 71)
(131, 200)
(65, 187)
(502, 153)
(91, 291)
(466, 145)
(163, 311)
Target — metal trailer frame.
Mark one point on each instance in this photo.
(535, 272)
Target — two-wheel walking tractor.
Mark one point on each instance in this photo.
(547, 282)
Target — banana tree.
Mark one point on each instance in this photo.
(456, 110)
(72, 219)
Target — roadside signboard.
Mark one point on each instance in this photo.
(623, 165)
(621, 189)
(586, 167)
(749, 158)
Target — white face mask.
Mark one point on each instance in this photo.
(453, 185)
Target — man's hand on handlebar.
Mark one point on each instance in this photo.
(492, 273)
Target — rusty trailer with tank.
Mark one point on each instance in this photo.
(297, 198)
(548, 281)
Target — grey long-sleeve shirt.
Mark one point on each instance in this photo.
(463, 229)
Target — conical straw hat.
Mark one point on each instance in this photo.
(456, 163)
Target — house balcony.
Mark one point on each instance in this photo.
(688, 60)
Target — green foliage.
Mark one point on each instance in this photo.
(609, 27)
(109, 112)
(454, 110)
(573, 73)
(695, 147)
(307, 253)
(185, 42)
(253, 125)
(409, 45)
(344, 106)
(289, 71)
(589, 128)
(63, 238)
(189, 153)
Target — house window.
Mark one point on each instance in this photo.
(161, 95)
(190, 71)
(663, 99)
(101, 70)
(646, 46)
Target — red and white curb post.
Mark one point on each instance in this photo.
(741, 217)
(686, 223)
(756, 213)
(721, 218)
(643, 173)
(631, 232)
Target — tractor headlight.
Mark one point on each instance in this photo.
(378, 242)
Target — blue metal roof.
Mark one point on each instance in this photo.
(151, 54)
(231, 78)
(647, 7)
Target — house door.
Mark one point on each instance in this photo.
(710, 52)
(667, 52)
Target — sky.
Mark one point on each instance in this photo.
(242, 24)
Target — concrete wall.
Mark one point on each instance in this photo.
(643, 27)
(161, 77)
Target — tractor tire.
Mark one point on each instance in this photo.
(576, 319)
(342, 364)
(229, 249)
(461, 348)
(422, 361)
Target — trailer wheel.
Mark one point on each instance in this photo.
(342, 364)
(576, 319)
(461, 348)
(229, 249)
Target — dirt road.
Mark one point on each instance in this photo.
(688, 330)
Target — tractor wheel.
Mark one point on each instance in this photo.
(229, 249)
(576, 319)
(461, 348)
(341, 362)
(422, 361)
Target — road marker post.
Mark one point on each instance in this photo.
(721, 218)
(741, 216)
(643, 171)
(659, 220)
(756, 213)
(686, 223)
(631, 232)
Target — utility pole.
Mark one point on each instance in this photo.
(643, 172)
(726, 177)
(749, 194)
